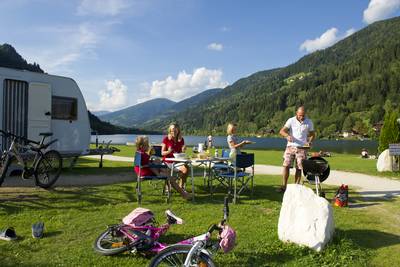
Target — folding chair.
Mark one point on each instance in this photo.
(221, 165)
(237, 178)
(157, 150)
(140, 178)
(217, 167)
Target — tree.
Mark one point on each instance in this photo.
(329, 131)
(390, 132)
(348, 124)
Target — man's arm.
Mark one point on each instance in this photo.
(311, 137)
(284, 132)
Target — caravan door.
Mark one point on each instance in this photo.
(39, 107)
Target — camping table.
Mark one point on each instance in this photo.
(207, 163)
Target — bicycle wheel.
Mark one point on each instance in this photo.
(48, 169)
(4, 163)
(111, 242)
(176, 256)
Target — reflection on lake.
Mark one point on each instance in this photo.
(338, 146)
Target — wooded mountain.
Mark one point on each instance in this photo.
(155, 110)
(181, 106)
(9, 58)
(345, 87)
(137, 114)
(100, 112)
(102, 127)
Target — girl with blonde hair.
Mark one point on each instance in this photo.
(233, 141)
(174, 143)
(143, 147)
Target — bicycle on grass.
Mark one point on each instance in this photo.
(200, 249)
(46, 165)
(143, 239)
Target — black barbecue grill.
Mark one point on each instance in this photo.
(316, 170)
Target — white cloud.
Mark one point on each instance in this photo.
(113, 97)
(56, 55)
(184, 85)
(102, 7)
(380, 9)
(327, 39)
(349, 32)
(215, 47)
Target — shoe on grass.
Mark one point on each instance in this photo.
(37, 230)
(8, 234)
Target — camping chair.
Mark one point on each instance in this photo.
(157, 150)
(219, 166)
(237, 179)
(140, 178)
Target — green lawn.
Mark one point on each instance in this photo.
(342, 162)
(74, 217)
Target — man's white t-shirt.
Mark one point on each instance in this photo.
(299, 130)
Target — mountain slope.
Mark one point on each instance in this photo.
(343, 87)
(149, 113)
(181, 106)
(9, 58)
(100, 112)
(102, 127)
(137, 114)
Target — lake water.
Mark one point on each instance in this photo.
(338, 146)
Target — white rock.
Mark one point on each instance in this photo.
(384, 163)
(305, 218)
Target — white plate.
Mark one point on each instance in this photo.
(180, 155)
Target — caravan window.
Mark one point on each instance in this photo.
(64, 108)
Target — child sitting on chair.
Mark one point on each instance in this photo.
(142, 146)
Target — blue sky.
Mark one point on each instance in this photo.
(122, 52)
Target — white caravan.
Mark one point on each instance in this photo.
(32, 103)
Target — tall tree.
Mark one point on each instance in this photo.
(390, 132)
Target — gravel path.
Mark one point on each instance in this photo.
(367, 185)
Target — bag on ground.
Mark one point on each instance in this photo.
(342, 196)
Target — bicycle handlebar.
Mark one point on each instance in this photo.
(226, 216)
(9, 134)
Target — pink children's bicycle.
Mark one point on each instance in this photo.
(138, 234)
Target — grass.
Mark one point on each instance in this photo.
(340, 162)
(74, 217)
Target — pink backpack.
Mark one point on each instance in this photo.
(138, 217)
(228, 238)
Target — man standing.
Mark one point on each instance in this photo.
(299, 132)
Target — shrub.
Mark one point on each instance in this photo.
(390, 132)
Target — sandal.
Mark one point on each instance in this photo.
(37, 230)
(8, 234)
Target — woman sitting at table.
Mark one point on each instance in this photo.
(174, 143)
(233, 141)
